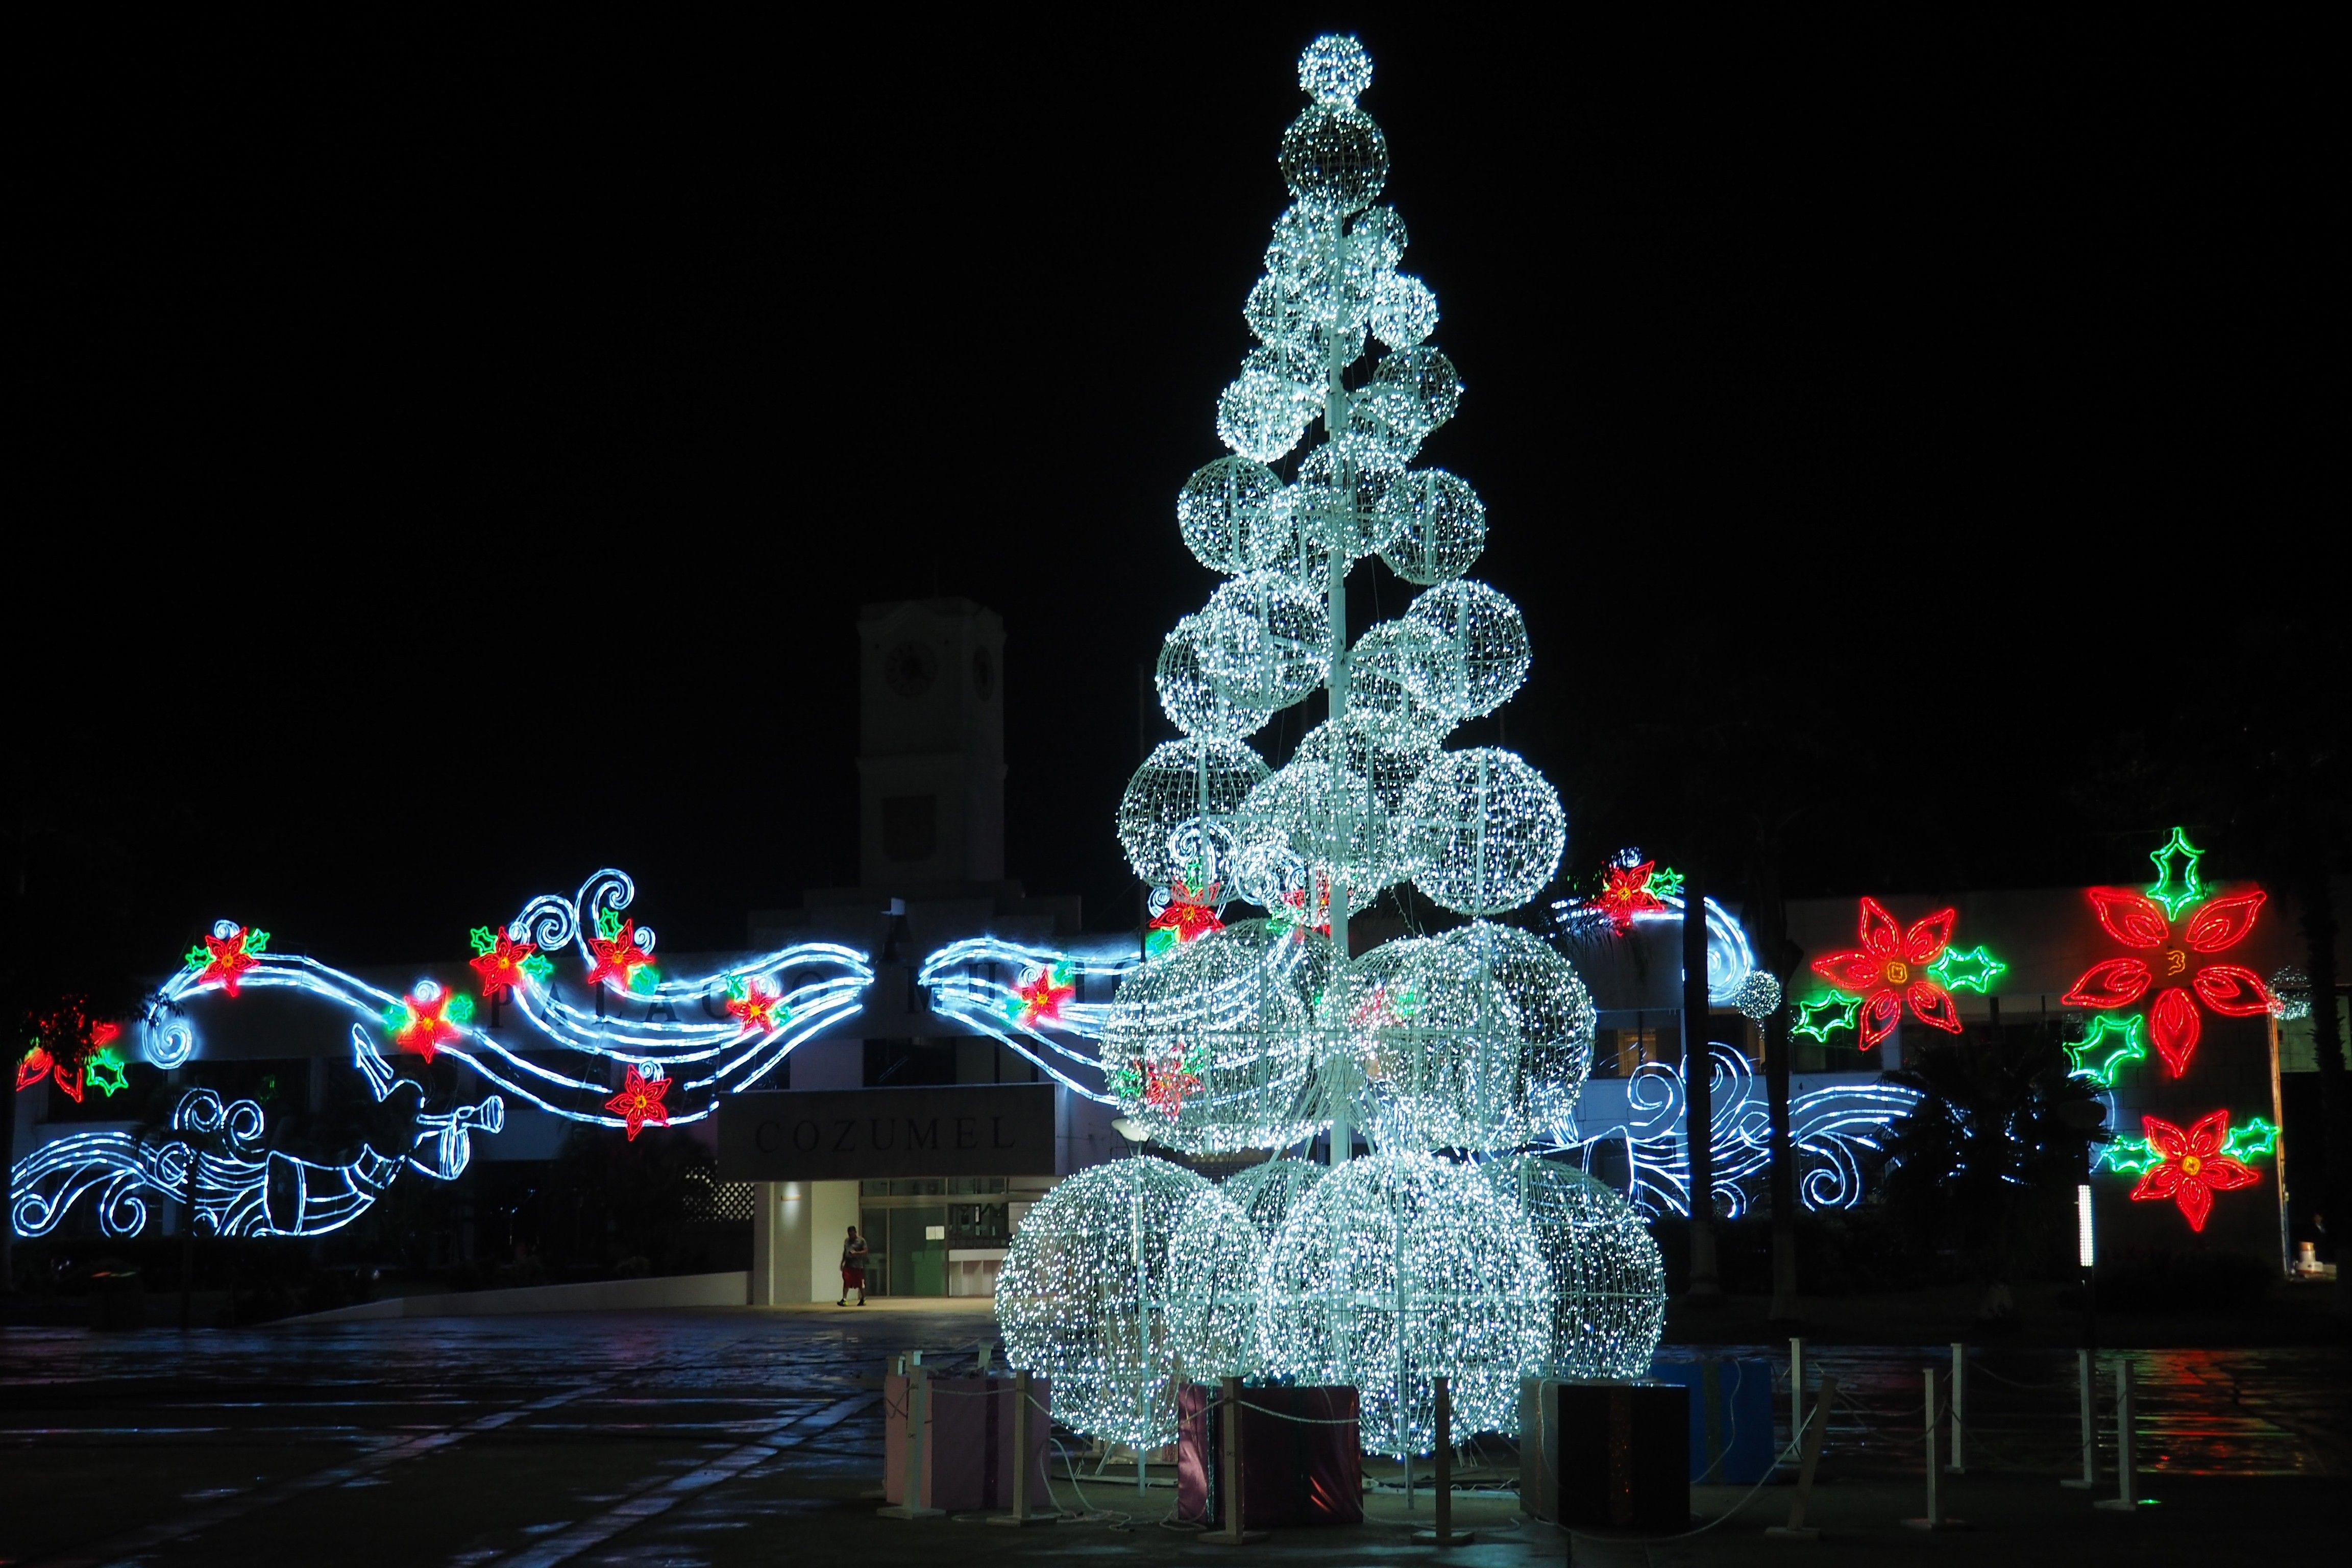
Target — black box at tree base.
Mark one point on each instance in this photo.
(1302, 1462)
(1624, 1456)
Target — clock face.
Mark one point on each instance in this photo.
(910, 668)
(983, 673)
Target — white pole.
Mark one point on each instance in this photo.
(1959, 1465)
(2086, 1389)
(1935, 1508)
(1796, 1392)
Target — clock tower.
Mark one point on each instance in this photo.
(931, 758)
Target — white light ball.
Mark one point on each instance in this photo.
(1335, 69)
(1261, 415)
(1403, 311)
(1092, 1297)
(1209, 678)
(1335, 502)
(1423, 381)
(1268, 1192)
(1489, 640)
(1479, 1039)
(1327, 809)
(1376, 242)
(1281, 628)
(1390, 665)
(1179, 781)
(1609, 1281)
(1229, 512)
(1482, 831)
(1437, 527)
(1335, 160)
(1212, 1047)
(1398, 1268)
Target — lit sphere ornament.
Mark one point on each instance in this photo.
(1422, 381)
(1375, 244)
(1091, 1296)
(1484, 831)
(1335, 69)
(1179, 781)
(1278, 633)
(1210, 680)
(1608, 1282)
(1328, 807)
(1479, 1039)
(1388, 668)
(1398, 1268)
(1229, 513)
(1335, 513)
(1210, 1049)
(1403, 311)
(1335, 160)
(1758, 997)
(1436, 528)
(1489, 640)
(1268, 1192)
(1261, 415)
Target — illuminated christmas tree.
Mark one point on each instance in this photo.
(1260, 1032)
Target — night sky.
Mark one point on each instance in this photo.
(461, 454)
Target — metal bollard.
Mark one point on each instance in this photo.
(2087, 1388)
(918, 1380)
(1443, 1535)
(2126, 1479)
(1796, 1395)
(1933, 1518)
(1959, 1465)
(1020, 1514)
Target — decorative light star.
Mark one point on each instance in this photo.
(639, 1102)
(2101, 1054)
(1825, 1016)
(1041, 996)
(615, 956)
(2140, 922)
(754, 1008)
(1969, 969)
(1891, 968)
(226, 953)
(2176, 884)
(2193, 1167)
(428, 1018)
(505, 962)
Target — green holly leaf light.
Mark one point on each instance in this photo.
(1971, 969)
(2111, 1042)
(103, 1070)
(1825, 1016)
(2176, 884)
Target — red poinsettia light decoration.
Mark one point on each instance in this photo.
(2194, 1167)
(1189, 913)
(616, 957)
(505, 961)
(754, 1007)
(2173, 1022)
(1626, 892)
(228, 950)
(37, 1063)
(427, 1018)
(639, 1102)
(1890, 969)
(1168, 1081)
(1041, 996)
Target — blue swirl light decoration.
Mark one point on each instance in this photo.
(214, 1160)
(701, 1048)
(1833, 1131)
(978, 981)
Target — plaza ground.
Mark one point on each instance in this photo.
(721, 1436)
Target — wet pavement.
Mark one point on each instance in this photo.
(728, 1436)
